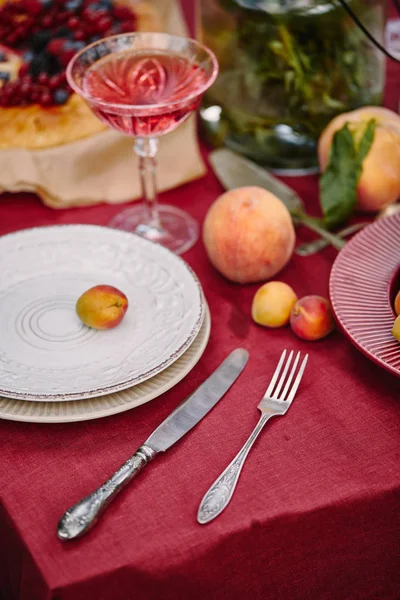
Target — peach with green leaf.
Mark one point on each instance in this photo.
(377, 181)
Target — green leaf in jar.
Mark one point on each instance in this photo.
(338, 183)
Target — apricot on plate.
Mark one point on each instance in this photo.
(397, 303)
(102, 307)
(248, 235)
(311, 318)
(396, 328)
(272, 304)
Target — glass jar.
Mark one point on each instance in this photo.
(286, 69)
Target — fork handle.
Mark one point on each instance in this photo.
(220, 493)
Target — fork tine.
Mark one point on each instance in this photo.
(275, 375)
(289, 381)
(282, 379)
(297, 380)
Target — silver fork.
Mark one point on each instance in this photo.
(274, 404)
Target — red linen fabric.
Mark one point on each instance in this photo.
(316, 511)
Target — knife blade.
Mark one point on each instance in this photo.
(78, 519)
(233, 170)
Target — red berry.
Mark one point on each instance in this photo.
(126, 26)
(45, 99)
(26, 89)
(32, 7)
(26, 79)
(23, 70)
(47, 21)
(79, 35)
(12, 87)
(103, 24)
(11, 38)
(102, 12)
(122, 13)
(66, 57)
(89, 29)
(43, 79)
(62, 16)
(4, 92)
(73, 23)
(91, 16)
(20, 32)
(87, 14)
(56, 46)
(55, 81)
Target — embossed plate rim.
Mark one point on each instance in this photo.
(379, 268)
(102, 391)
(95, 408)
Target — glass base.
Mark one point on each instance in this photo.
(178, 231)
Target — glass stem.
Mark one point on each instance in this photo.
(146, 150)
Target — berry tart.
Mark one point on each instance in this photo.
(38, 38)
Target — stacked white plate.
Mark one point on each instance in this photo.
(55, 369)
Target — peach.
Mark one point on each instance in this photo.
(396, 328)
(102, 307)
(311, 318)
(397, 303)
(272, 304)
(379, 183)
(248, 234)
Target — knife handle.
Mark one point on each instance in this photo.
(78, 519)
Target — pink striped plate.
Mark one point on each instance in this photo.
(364, 281)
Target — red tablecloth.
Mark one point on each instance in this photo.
(316, 512)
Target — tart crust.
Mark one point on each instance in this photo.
(35, 128)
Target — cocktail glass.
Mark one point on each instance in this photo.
(145, 85)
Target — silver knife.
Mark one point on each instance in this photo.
(79, 518)
(233, 170)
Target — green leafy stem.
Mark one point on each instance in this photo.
(338, 183)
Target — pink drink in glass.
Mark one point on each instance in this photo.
(144, 85)
(146, 80)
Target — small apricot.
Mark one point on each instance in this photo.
(102, 307)
(397, 304)
(396, 328)
(311, 318)
(272, 304)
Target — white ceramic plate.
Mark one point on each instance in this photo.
(95, 408)
(46, 353)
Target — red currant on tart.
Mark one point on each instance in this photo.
(37, 107)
